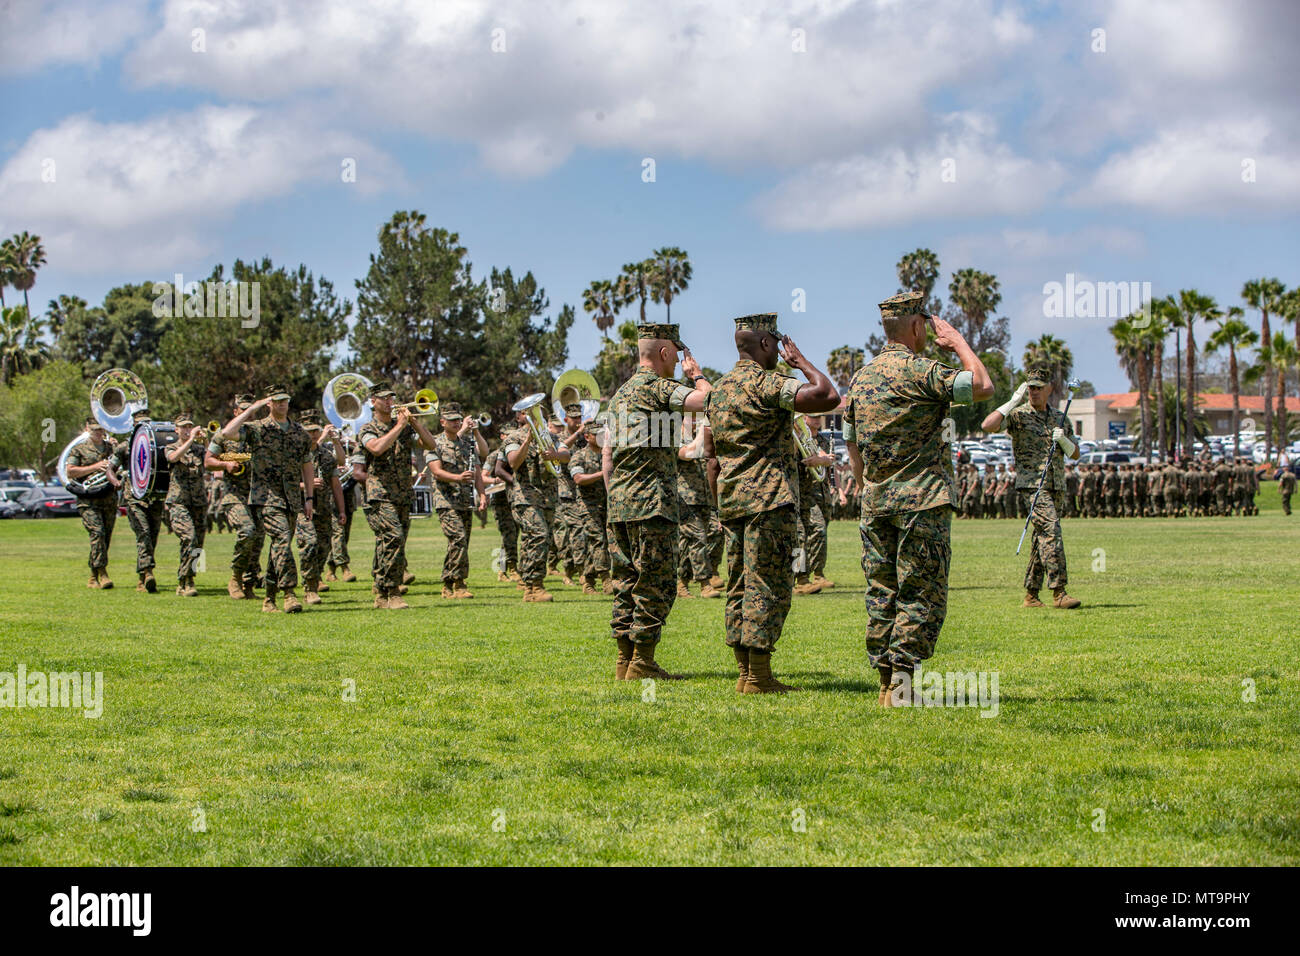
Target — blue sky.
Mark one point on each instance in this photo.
(783, 160)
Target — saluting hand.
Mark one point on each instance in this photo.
(790, 352)
(945, 336)
(689, 366)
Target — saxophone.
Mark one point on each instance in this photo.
(807, 446)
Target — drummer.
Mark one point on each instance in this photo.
(145, 515)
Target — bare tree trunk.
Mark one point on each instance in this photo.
(1268, 388)
(1236, 402)
(1144, 403)
(1191, 386)
(1161, 432)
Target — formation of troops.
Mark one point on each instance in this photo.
(618, 506)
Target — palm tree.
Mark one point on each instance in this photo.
(21, 348)
(1265, 295)
(1053, 354)
(1155, 333)
(1282, 355)
(1134, 350)
(672, 274)
(917, 272)
(843, 363)
(28, 255)
(976, 294)
(600, 298)
(1233, 334)
(1192, 305)
(634, 283)
(7, 266)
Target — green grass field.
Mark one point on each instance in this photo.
(492, 732)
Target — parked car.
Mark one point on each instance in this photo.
(1106, 458)
(48, 503)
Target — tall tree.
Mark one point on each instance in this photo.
(601, 300)
(842, 363)
(671, 270)
(418, 306)
(1265, 294)
(1192, 306)
(59, 310)
(617, 360)
(1163, 314)
(1134, 351)
(21, 348)
(39, 414)
(1233, 334)
(918, 271)
(125, 332)
(1053, 354)
(25, 257)
(7, 267)
(634, 283)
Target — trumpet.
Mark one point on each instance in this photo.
(532, 408)
(807, 447)
(425, 404)
(484, 420)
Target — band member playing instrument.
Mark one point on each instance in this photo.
(388, 442)
(98, 514)
(568, 514)
(145, 515)
(589, 477)
(282, 458)
(327, 501)
(497, 480)
(814, 504)
(187, 502)
(454, 485)
(695, 509)
(643, 496)
(532, 500)
(236, 479)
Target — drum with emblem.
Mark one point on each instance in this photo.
(150, 469)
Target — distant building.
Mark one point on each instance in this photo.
(1110, 416)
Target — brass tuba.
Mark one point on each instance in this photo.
(532, 407)
(807, 446)
(346, 401)
(115, 397)
(576, 385)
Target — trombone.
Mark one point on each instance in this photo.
(425, 404)
(532, 409)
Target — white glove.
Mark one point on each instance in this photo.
(1014, 402)
(1067, 446)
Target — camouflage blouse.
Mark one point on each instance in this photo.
(692, 483)
(751, 411)
(454, 456)
(236, 485)
(388, 476)
(895, 412)
(326, 468)
(279, 452)
(534, 483)
(85, 454)
(1031, 443)
(188, 484)
(645, 429)
(587, 461)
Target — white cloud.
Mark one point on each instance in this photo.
(962, 172)
(145, 194)
(39, 33)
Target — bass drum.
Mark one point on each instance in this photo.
(151, 472)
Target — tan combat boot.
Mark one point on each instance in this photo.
(823, 581)
(707, 590)
(643, 665)
(537, 594)
(190, 590)
(329, 573)
(501, 576)
(804, 586)
(1031, 600)
(589, 585)
(460, 592)
(310, 592)
(249, 592)
(381, 600)
(886, 675)
(513, 575)
(447, 592)
(395, 602)
(568, 580)
(321, 588)
(233, 588)
(899, 692)
(608, 586)
(104, 583)
(760, 679)
(93, 583)
(150, 584)
(140, 584)
(742, 661)
(717, 582)
(291, 603)
(347, 573)
(1062, 600)
(268, 604)
(683, 591)
(408, 578)
(625, 651)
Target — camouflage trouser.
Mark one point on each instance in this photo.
(1173, 502)
(1128, 504)
(506, 526)
(905, 557)
(812, 534)
(1286, 505)
(145, 518)
(313, 552)
(1046, 549)
(246, 561)
(643, 555)
(568, 519)
(717, 540)
(1112, 505)
(596, 558)
(190, 524)
(760, 580)
(534, 524)
(341, 532)
(98, 515)
(559, 554)
(456, 526)
(390, 522)
(1011, 504)
(693, 562)
(279, 524)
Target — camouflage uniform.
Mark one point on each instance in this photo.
(1127, 497)
(1223, 488)
(591, 501)
(694, 511)
(1286, 483)
(499, 502)
(642, 505)
(568, 531)
(1032, 446)
(187, 506)
(144, 515)
(341, 526)
(1140, 491)
(1110, 490)
(314, 549)
(1009, 496)
(275, 491)
(388, 498)
(454, 503)
(245, 563)
(1071, 492)
(1172, 481)
(98, 515)
(894, 411)
(533, 498)
(812, 513)
(990, 492)
(751, 411)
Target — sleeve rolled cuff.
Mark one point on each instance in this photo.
(849, 435)
(214, 448)
(789, 389)
(677, 400)
(963, 388)
(507, 449)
